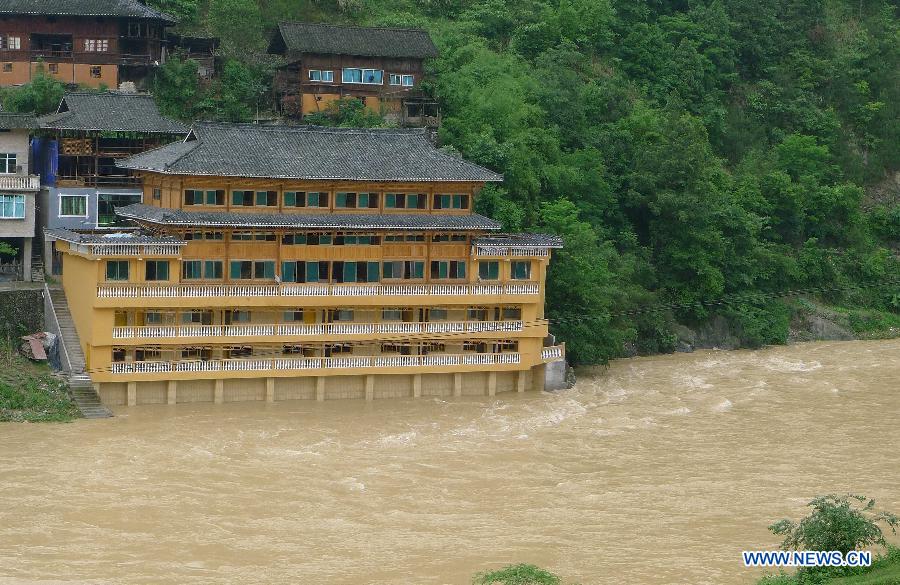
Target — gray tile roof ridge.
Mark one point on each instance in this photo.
(352, 26)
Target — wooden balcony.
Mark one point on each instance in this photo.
(287, 332)
(127, 250)
(319, 364)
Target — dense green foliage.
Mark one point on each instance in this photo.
(517, 575)
(885, 570)
(690, 152)
(41, 95)
(28, 392)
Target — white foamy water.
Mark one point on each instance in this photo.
(657, 470)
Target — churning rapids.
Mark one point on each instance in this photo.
(658, 470)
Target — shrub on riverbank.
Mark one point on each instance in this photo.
(30, 393)
(521, 574)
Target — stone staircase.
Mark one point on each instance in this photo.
(37, 271)
(80, 384)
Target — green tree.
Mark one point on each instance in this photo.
(176, 87)
(522, 574)
(41, 95)
(841, 523)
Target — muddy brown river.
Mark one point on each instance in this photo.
(657, 470)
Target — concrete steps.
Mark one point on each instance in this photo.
(80, 385)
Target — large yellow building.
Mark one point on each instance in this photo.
(278, 263)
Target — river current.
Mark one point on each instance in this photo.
(656, 470)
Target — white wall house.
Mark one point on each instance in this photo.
(18, 191)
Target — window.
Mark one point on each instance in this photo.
(301, 199)
(489, 270)
(241, 270)
(208, 197)
(7, 68)
(157, 194)
(237, 316)
(405, 238)
(53, 68)
(244, 198)
(443, 269)
(520, 270)
(403, 269)
(117, 270)
(264, 236)
(408, 80)
(319, 75)
(157, 270)
(12, 207)
(342, 315)
(367, 76)
(96, 45)
(191, 269)
(456, 201)
(293, 316)
(437, 314)
(96, 72)
(204, 236)
(300, 271)
(267, 198)
(212, 269)
(11, 43)
(196, 318)
(512, 313)
(264, 269)
(7, 162)
(356, 271)
(73, 205)
(107, 204)
(356, 200)
(405, 200)
(438, 238)
(317, 199)
(394, 78)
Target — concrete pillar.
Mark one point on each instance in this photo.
(132, 393)
(320, 388)
(417, 385)
(270, 389)
(171, 389)
(370, 387)
(26, 259)
(492, 384)
(521, 379)
(457, 384)
(219, 392)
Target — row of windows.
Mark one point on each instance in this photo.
(96, 71)
(12, 207)
(318, 271)
(323, 239)
(364, 76)
(319, 199)
(405, 314)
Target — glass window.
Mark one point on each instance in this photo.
(443, 269)
(117, 270)
(345, 200)
(241, 270)
(451, 201)
(157, 194)
(394, 78)
(7, 162)
(351, 75)
(512, 313)
(244, 198)
(294, 199)
(392, 314)
(157, 270)
(437, 314)
(267, 198)
(191, 269)
(315, 75)
(408, 80)
(107, 204)
(212, 269)
(317, 199)
(73, 205)
(264, 269)
(96, 72)
(289, 271)
(489, 270)
(12, 206)
(520, 270)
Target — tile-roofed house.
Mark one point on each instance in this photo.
(13, 121)
(111, 111)
(94, 43)
(383, 67)
(96, 8)
(146, 214)
(308, 152)
(298, 38)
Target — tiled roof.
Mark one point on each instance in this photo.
(520, 240)
(333, 39)
(111, 111)
(122, 8)
(11, 121)
(308, 152)
(111, 237)
(317, 221)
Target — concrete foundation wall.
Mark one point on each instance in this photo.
(372, 387)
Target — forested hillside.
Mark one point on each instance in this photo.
(700, 158)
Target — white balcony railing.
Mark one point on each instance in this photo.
(506, 251)
(137, 291)
(553, 353)
(20, 182)
(138, 250)
(315, 363)
(299, 329)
